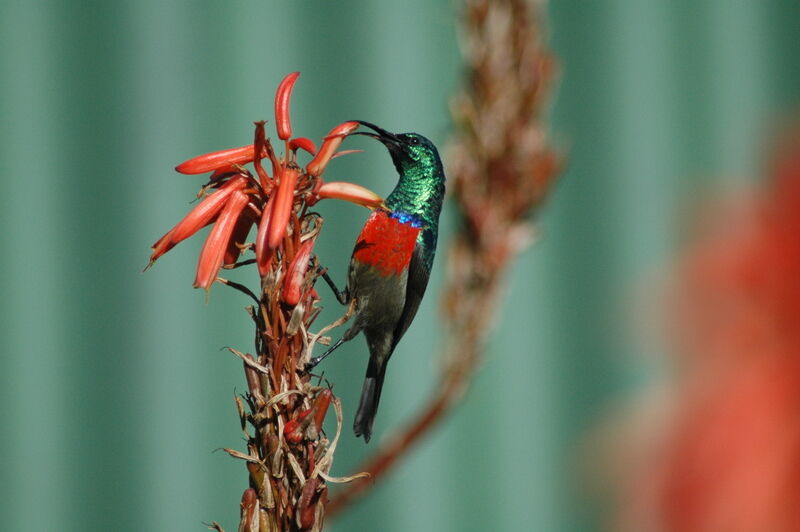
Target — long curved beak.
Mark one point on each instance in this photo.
(386, 137)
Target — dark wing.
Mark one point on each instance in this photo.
(418, 274)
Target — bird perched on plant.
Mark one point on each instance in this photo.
(392, 261)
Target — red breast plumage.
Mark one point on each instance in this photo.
(386, 243)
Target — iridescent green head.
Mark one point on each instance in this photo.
(411, 152)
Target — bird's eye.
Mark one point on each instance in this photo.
(413, 141)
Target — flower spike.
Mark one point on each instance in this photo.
(253, 185)
(282, 98)
(213, 252)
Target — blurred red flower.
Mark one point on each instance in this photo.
(729, 456)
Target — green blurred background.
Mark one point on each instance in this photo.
(114, 394)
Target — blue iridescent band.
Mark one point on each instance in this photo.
(407, 218)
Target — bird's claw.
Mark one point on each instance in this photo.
(311, 364)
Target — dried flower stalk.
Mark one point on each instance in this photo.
(501, 171)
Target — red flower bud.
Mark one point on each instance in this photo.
(240, 232)
(304, 144)
(213, 252)
(306, 508)
(263, 252)
(282, 97)
(296, 274)
(321, 407)
(329, 147)
(293, 430)
(217, 160)
(282, 207)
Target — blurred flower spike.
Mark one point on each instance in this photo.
(234, 199)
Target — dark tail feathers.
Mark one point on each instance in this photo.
(370, 397)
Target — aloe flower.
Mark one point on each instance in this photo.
(238, 200)
(288, 454)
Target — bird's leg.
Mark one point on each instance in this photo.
(348, 335)
(316, 360)
(343, 296)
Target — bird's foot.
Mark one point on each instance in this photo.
(342, 296)
(311, 364)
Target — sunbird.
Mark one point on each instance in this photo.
(391, 261)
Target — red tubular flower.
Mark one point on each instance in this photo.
(292, 286)
(282, 207)
(213, 252)
(332, 142)
(282, 98)
(217, 160)
(350, 192)
(199, 217)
